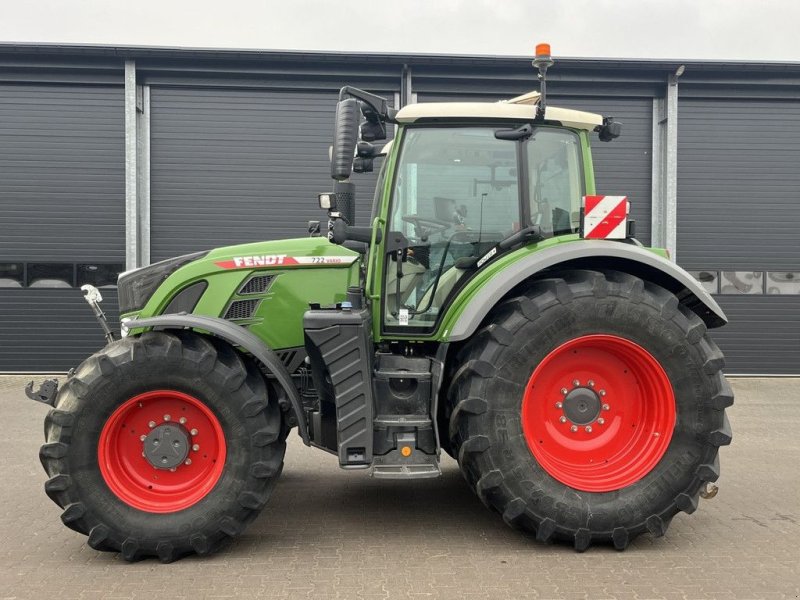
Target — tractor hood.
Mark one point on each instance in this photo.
(265, 286)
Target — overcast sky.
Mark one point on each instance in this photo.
(682, 29)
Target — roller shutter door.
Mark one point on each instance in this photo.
(230, 166)
(63, 219)
(738, 223)
(623, 166)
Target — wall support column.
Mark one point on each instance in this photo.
(131, 170)
(137, 170)
(665, 167)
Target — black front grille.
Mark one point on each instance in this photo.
(241, 309)
(257, 284)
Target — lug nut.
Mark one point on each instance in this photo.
(188, 461)
(559, 405)
(563, 419)
(656, 434)
(151, 424)
(196, 447)
(591, 383)
(142, 438)
(193, 432)
(588, 429)
(564, 391)
(182, 420)
(166, 417)
(575, 382)
(606, 407)
(172, 470)
(574, 428)
(601, 421)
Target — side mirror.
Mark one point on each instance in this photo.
(345, 138)
(610, 129)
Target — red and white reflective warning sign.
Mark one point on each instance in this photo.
(605, 217)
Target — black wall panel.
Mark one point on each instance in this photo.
(739, 211)
(62, 173)
(62, 202)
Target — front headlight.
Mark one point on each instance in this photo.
(135, 287)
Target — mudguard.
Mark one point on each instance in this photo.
(590, 254)
(238, 336)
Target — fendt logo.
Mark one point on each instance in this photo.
(259, 261)
(251, 262)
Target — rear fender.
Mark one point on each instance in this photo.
(603, 254)
(238, 336)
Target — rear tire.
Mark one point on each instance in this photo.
(138, 386)
(545, 463)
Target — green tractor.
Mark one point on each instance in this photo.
(495, 309)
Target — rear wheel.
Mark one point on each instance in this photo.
(590, 408)
(163, 445)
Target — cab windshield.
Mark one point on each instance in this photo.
(457, 192)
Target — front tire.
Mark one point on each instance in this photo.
(590, 408)
(163, 445)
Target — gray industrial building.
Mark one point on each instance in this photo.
(112, 158)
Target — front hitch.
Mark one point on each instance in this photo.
(46, 393)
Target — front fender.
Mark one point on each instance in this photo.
(588, 254)
(238, 336)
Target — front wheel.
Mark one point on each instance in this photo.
(163, 445)
(590, 408)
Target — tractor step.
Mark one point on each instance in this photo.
(402, 421)
(409, 471)
(406, 461)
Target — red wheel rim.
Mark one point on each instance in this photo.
(134, 479)
(598, 413)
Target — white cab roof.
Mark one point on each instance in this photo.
(519, 108)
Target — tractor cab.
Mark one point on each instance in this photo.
(461, 184)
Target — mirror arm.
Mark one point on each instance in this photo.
(379, 106)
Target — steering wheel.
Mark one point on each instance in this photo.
(426, 226)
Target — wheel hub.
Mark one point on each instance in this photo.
(167, 446)
(162, 451)
(598, 412)
(582, 406)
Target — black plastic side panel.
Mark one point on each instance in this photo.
(339, 342)
(186, 299)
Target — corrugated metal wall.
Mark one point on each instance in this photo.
(62, 194)
(230, 166)
(738, 223)
(232, 162)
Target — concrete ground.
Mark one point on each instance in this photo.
(329, 534)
